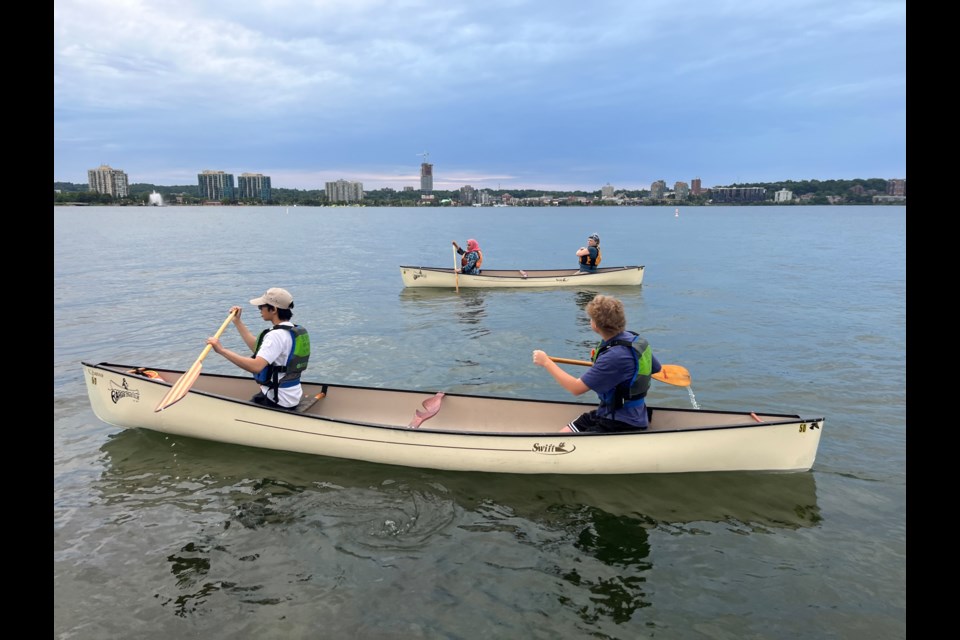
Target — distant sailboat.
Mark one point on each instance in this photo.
(676, 213)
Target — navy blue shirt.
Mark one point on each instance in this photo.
(613, 366)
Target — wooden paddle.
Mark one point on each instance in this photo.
(181, 386)
(670, 373)
(456, 275)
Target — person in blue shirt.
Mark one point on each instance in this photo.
(622, 366)
(472, 258)
(590, 254)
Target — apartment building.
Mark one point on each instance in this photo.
(105, 179)
(344, 191)
(254, 185)
(216, 185)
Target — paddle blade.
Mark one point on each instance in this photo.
(673, 374)
(180, 387)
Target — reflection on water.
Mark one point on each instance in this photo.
(147, 466)
(256, 514)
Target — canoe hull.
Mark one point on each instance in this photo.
(437, 277)
(516, 436)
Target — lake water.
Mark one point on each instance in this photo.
(782, 309)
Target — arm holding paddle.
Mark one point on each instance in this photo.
(248, 338)
(247, 363)
(567, 381)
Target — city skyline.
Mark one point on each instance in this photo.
(501, 95)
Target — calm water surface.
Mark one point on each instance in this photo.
(793, 309)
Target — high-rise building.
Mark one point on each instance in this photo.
(658, 189)
(104, 179)
(344, 191)
(783, 195)
(215, 185)
(468, 195)
(426, 177)
(254, 185)
(680, 190)
(695, 188)
(896, 187)
(606, 191)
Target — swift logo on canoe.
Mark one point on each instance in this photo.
(553, 449)
(121, 390)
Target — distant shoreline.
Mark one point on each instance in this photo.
(894, 200)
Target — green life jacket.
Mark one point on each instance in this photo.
(635, 391)
(296, 361)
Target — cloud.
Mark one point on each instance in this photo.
(556, 93)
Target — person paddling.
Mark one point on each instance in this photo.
(622, 366)
(280, 353)
(472, 258)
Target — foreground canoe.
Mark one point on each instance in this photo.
(495, 278)
(450, 431)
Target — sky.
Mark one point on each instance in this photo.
(552, 95)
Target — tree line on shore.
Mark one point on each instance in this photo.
(856, 191)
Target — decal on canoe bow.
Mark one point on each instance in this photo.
(118, 391)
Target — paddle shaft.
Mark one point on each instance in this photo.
(181, 386)
(456, 274)
(584, 363)
(670, 373)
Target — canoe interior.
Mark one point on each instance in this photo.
(459, 413)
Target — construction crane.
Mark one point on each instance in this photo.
(425, 155)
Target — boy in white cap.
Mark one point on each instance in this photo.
(279, 357)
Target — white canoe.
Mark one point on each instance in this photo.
(466, 433)
(491, 278)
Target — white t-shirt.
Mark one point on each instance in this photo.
(275, 349)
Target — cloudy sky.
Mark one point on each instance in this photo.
(546, 94)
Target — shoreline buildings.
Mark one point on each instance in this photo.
(105, 179)
(215, 185)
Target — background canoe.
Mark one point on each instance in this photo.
(440, 277)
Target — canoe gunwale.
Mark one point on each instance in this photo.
(748, 421)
